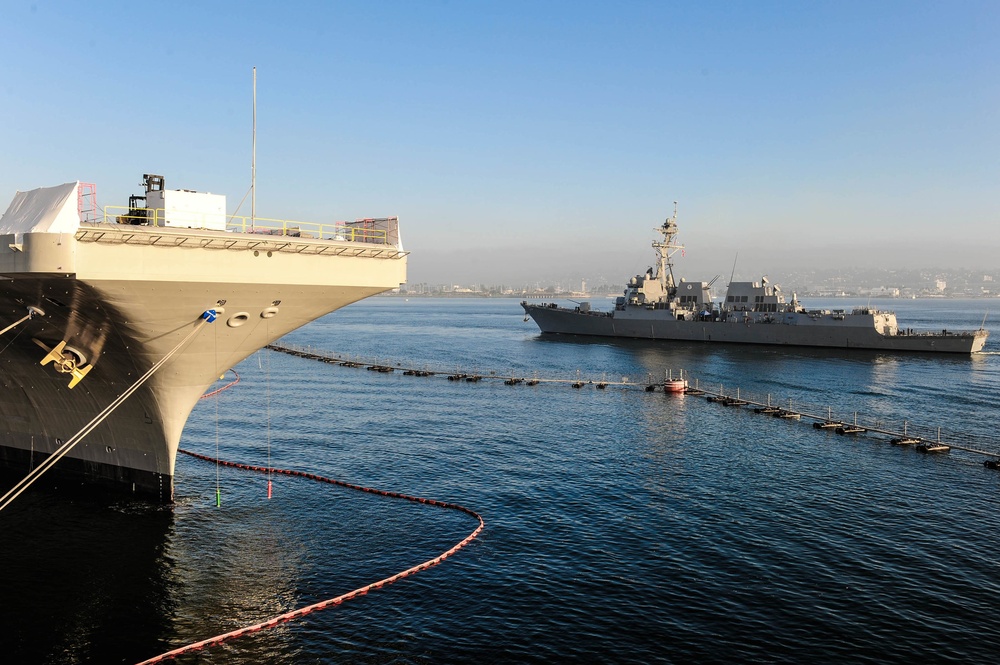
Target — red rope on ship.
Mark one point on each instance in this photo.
(303, 611)
(225, 387)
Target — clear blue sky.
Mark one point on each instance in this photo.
(522, 140)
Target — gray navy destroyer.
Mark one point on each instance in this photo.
(655, 306)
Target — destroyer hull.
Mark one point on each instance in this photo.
(122, 299)
(654, 305)
(559, 320)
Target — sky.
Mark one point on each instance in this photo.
(520, 142)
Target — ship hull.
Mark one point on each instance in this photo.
(652, 324)
(123, 298)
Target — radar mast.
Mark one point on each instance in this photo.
(665, 249)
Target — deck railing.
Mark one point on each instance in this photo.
(380, 231)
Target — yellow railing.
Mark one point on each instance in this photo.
(362, 230)
(350, 231)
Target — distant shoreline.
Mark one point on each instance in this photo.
(570, 296)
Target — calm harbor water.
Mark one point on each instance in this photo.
(621, 526)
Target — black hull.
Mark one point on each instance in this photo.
(77, 476)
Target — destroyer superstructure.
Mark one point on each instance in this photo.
(655, 306)
(92, 300)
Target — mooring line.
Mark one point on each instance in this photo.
(361, 591)
(60, 452)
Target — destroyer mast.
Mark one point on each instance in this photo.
(664, 251)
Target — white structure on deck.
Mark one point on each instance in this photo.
(89, 307)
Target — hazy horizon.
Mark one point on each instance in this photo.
(517, 140)
(543, 264)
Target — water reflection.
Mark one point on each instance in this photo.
(85, 580)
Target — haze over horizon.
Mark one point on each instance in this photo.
(538, 264)
(521, 140)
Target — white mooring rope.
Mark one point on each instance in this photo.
(60, 452)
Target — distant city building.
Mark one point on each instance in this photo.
(841, 283)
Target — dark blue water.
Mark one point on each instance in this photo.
(622, 526)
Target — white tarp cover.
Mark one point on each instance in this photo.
(46, 210)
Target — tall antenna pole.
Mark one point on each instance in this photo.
(253, 158)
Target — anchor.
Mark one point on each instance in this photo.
(66, 360)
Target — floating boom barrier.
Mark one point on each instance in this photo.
(924, 439)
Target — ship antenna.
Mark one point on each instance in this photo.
(253, 157)
(733, 274)
(665, 267)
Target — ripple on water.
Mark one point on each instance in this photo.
(622, 526)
